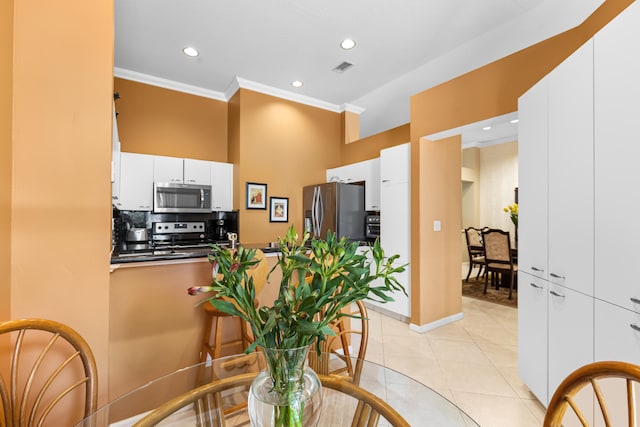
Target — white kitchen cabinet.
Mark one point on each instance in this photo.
(571, 333)
(395, 220)
(181, 171)
(221, 186)
(197, 172)
(355, 172)
(570, 154)
(533, 180)
(372, 185)
(617, 93)
(395, 164)
(367, 171)
(617, 333)
(532, 324)
(168, 169)
(136, 182)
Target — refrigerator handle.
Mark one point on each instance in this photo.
(314, 213)
(320, 211)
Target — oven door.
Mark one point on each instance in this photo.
(181, 198)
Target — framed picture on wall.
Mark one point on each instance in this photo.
(256, 195)
(278, 209)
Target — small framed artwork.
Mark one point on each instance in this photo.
(279, 209)
(256, 196)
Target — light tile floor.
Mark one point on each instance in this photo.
(471, 362)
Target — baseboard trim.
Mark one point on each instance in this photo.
(438, 323)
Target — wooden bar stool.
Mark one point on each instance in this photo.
(215, 319)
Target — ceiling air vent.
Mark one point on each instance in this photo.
(341, 68)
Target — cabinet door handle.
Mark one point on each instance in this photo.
(533, 285)
(537, 269)
(385, 180)
(635, 327)
(554, 293)
(557, 276)
(635, 300)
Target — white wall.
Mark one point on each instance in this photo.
(498, 178)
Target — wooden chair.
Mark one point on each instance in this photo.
(591, 375)
(337, 355)
(213, 346)
(498, 260)
(475, 250)
(48, 361)
(367, 413)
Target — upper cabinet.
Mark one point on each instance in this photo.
(394, 164)
(181, 171)
(221, 186)
(368, 172)
(136, 183)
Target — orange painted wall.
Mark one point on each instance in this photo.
(435, 256)
(287, 146)
(369, 148)
(62, 109)
(6, 103)
(494, 89)
(154, 120)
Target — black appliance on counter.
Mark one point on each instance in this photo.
(170, 231)
(372, 226)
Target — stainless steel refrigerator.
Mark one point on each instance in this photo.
(334, 206)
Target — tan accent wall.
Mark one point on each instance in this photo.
(350, 127)
(435, 255)
(286, 146)
(6, 143)
(61, 153)
(155, 120)
(369, 147)
(494, 89)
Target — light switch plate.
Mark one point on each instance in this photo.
(436, 225)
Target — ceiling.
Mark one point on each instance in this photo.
(402, 47)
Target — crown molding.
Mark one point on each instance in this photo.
(285, 94)
(168, 84)
(353, 108)
(235, 84)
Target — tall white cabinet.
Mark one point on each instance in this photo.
(578, 155)
(617, 154)
(395, 217)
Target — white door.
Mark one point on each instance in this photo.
(168, 169)
(221, 186)
(571, 172)
(532, 180)
(532, 333)
(197, 172)
(617, 93)
(136, 182)
(372, 185)
(570, 333)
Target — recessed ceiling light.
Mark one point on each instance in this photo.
(347, 44)
(297, 83)
(514, 121)
(486, 128)
(190, 51)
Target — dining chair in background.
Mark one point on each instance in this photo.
(343, 354)
(591, 378)
(498, 258)
(368, 409)
(475, 250)
(50, 365)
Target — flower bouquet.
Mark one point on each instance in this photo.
(512, 210)
(319, 279)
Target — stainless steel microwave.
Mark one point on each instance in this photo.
(179, 198)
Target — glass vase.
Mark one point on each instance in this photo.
(287, 393)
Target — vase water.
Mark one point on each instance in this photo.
(287, 393)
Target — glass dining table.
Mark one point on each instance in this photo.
(417, 403)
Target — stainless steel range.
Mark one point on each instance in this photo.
(172, 235)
